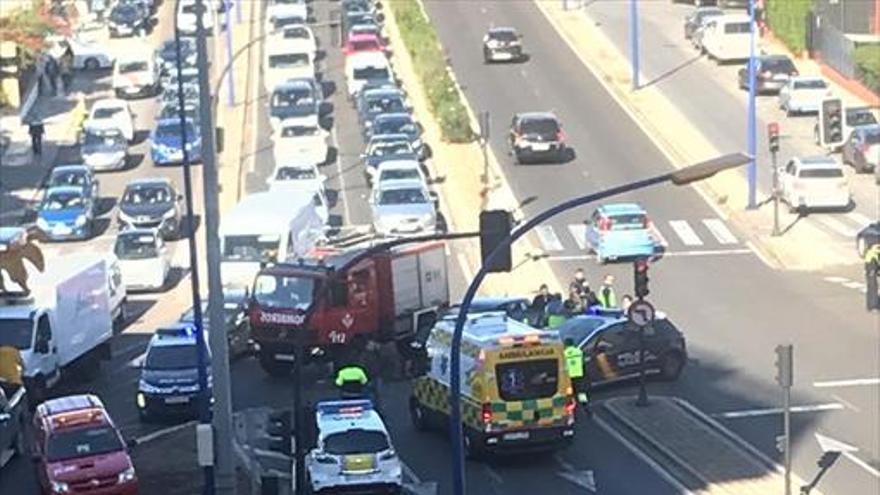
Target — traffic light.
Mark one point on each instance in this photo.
(495, 226)
(280, 431)
(827, 459)
(784, 365)
(773, 136)
(831, 122)
(640, 278)
(780, 443)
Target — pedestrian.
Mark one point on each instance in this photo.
(36, 130)
(574, 365)
(574, 305)
(50, 69)
(79, 114)
(625, 302)
(556, 313)
(538, 308)
(872, 272)
(580, 283)
(66, 69)
(605, 294)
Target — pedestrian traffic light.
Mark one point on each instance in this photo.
(784, 365)
(831, 122)
(828, 459)
(280, 431)
(495, 226)
(640, 278)
(773, 136)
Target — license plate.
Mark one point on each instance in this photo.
(62, 230)
(285, 357)
(541, 147)
(176, 400)
(503, 55)
(518, 435)
(132, 89)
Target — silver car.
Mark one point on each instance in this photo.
(403, 207)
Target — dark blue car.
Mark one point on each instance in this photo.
(386, 147)
(399, 123)
(374, 102)
(166, 143)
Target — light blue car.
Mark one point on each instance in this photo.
(621, 230)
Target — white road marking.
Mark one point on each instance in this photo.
(849, 405)
(408, 472)
(548, 238)
(751, 413)
(579, 232)
(718, 229)
(494, 475)
(854, 285)
(854, 382)
(659, 238)
(685, 232)
(344, 196)
(837, 226)
(671, 254)
(829, 444)
(165, 431)
(859, 218)
(137, 361)
(584, 479)
(836, 280)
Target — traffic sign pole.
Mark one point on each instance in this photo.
(641, 313)
(773, 139)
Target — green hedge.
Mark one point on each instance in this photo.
(787, 20)
(867, 60)
(430, 65)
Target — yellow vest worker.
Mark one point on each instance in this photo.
(872, 255)
(351, 380)
(10, 365)
(574, 364)
(606, 296)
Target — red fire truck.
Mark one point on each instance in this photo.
(355, 295)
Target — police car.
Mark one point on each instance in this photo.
(169, 383)
(611, 346)
(354, 452)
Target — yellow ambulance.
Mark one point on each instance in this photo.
(515, 392)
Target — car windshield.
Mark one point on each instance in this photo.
(292, 97)
(364, 29)
(395, 126)
(402, 196)
(541, 127)
(385, 105)
(737, 27)
(190, 8)
(810, 84)
(578, 329)
(123, 13)
(171, 357)
(821, 173)
(293, 173)
(106, 113)
(399, 173)
(148, 195)
(137, 66)
(783, 65)
(272, 291)
(94, 140)
(136, 246)
(355, 441)
(62, 200)
(287, 60)
(280, 22)
(527, 380)
(629, 221)
(68, 178)
(391, 149)
(297, 33)
(503, 35)
(255, 248)
(172, 130)
(299, 131)
(16, 332)
(82, 442)
(371, 73)
(173, 112)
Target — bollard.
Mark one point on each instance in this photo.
(871, 296)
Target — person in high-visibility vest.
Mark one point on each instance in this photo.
(872, 271)
(606, 296)
(574, 365)
(11, 368)
(351, 381)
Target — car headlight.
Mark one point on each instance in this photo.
(59, 487)
(428, 220)
(126, 476)
(148, 388)
(417, 144)
(123, 218)
(80, 221)
(42, 224)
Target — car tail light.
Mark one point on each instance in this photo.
(560, 135)
(766, 74)
(646, 222)
(795, 73)
(486, 413)
(570, 405)
(864, 147)
(605, 224)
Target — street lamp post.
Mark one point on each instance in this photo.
(683, 176)
(230, 82)
(752, 125)
(634, 42)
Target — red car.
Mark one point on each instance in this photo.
(78, 449)
(366, 42)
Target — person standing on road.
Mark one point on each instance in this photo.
(66, 69)
(50, 70)
(574, 365)
(79, 114)
(351, 381)
(538, 307)
(872, 272)
(606, 296)
(625, 302)
(580, 283)
(36, 130)
(574, 305)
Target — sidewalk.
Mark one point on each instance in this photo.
(702, 454)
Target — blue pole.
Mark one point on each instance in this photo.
(634, 41)
(230, 82)
(752, 125)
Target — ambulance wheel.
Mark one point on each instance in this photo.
(417, 415)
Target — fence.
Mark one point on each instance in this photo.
(833, 47)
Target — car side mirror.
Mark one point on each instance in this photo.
(485, 38)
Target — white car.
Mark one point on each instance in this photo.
(292, 173)
(354, 451)
(111, 113)
(803, 94)
(299, 38)
(143, 259)
(87, 54)
(136, 74)
(283, 63)
(301, 139)
(366, 66)
(403, 207)
(187, 21)
(399, 170)
(281, 13)
(814, 182)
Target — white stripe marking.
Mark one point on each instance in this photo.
(837, 226)
(836, 280)
(579, 232)
(658, 236)
(685, 232)
(854, 285)
(159, 433)
(408, 471)
(859, 218)
(751, 413)
(862, 464)
(697, 253)
(848, 404)
(718, 229)
(549, 239)
(855, 382)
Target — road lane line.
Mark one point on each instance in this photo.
(718, 229)
(854, 382)
(343, 190)
(862, 464)
(854, 285)
(859, 218)
(579, 232)
(837, 226)
(836, 280)
(658, 236)
(770, 411)
(548, 238)
(685, 232)
(161, 433)
(494, 475)
(670, 254)
(849, 405)
(408, 472)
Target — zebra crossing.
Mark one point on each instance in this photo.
(708, 235)
(845, 225)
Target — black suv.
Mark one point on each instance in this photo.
(502, 44)
(128, 19)
(611, 347)
(537, 136)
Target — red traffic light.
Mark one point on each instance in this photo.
(773, 128)
(641, 265)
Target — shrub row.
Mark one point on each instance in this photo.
(787, 19)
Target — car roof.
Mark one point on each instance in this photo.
(65, 189)
(388, 138)
(818, 161)
(109, 102)
(807, 78)
(369, 59)
(73, 167)
(621, 209)
(401, 184)
(399, 164)
(171, 121)
(294, 83)
(310, 119)
(174, 334)
(537, 116)
(149, 181)
(502, 29)
(383, 92)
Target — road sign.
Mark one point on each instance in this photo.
(641, 313)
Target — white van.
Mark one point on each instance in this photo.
(727, 37)
(366, 66)
(266, 227)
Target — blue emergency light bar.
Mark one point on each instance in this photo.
(177, 331)
(344, 406)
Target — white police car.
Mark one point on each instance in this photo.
(169, 384)
(354, 452)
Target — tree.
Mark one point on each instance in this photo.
(28, 27)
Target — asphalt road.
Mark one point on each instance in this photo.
(733, 309)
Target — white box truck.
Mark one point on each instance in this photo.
(65, 324)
